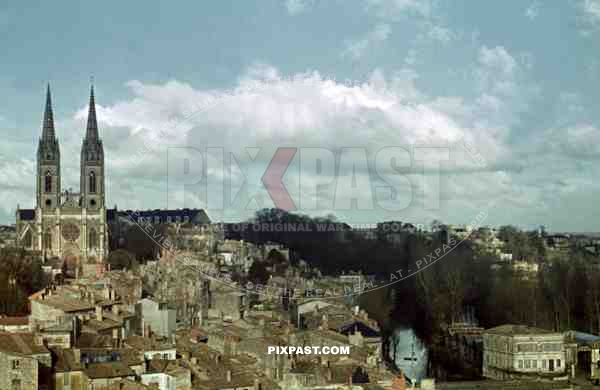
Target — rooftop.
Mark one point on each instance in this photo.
(510, 329)
(21, 343)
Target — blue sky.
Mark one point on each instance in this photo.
(519, 79)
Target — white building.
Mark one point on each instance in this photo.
(512, 351)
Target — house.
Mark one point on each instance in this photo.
(25, 362)
(159, 316)
(515, 351)
(152, 348)
(104, 376)
(68, 370)
(167, 374)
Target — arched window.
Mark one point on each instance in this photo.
(47, 240)
(27, 239)
(48, 182)
(92, 182)
(92, 238)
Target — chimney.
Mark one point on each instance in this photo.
(98, 313)
(399, 383)
(228, 375)
(257, 385)
(38, 339)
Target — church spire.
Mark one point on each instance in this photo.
(92, 124)
(48, 124)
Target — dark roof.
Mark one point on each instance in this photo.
(197, 216)
(27, 214)
(111, 214)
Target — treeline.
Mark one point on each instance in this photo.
(21, 275)
(563, 294)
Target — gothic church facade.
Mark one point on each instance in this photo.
(64, 224)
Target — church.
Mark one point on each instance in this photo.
(68, 225)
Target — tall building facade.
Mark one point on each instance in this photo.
(66, 224)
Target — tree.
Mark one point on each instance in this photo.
(21, 274)
(258, 273)
(121, 259)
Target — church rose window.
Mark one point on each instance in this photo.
(70, 232)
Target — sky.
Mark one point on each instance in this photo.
(506, 93)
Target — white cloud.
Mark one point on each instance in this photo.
(357, 49)
(590, 16)
(533, 10)
(314, 112)
(391, 9)
(296, 7)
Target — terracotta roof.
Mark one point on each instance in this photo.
(63, 360)
(21, 343)
(108, 370)
(14, 321)
(147, 344)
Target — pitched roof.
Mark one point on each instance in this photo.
(21, 343)
(108, 370)
(14, 321)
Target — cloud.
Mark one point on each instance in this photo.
(393, 9)
(357, 49)
(296, 7)
(590, 16)
(533, 10)
(382, 110)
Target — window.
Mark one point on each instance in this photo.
(15, 364)
(92, 238)
(47, 240)
(66, 378)
(92, 182)
(534, 364)
(552, 347)
(544, 364)
(169, 219)
(48, 182)
(156, 219)
(558, 363)
(178, 219)
(520, 363)
(527, 363)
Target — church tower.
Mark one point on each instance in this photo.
(48, 162)
(92, 163)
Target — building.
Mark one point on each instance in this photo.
(24, 362)
(67, 224)
(158, 316)
(514, 351)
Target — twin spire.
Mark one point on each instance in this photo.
(48, 124)
(48, 133)
(92, 124)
